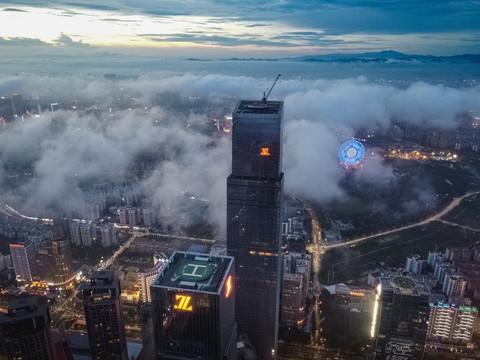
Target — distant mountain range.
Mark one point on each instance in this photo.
(388, 56)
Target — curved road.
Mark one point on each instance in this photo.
(435, 217)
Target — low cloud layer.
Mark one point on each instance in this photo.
(170, 120)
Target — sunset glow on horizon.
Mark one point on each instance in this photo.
(208, 29)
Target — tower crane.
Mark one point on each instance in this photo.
(265, 96)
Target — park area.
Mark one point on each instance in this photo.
(356, 260)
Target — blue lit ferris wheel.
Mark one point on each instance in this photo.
(351, 152)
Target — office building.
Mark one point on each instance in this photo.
(25, 331)
(403, 319)
(451, 325)
(193, 302)
(23, 259)
(54, 262)
(296, 277)
(254, 198)
(103, 316)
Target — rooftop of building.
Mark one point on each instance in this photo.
(404, 285)
(24, 308)
(194, 272)
(259, 107)
(403, 282)
(103, 279)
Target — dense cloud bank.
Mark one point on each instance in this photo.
(169, 119)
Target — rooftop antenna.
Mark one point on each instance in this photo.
(264, 98)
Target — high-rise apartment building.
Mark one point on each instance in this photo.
(254, 198)
(103, 315)
(449, 324)
(87, 233)
(147, 277)
(403, 319)
(75, 236)
(454, 286)
(107, 234)
(193, 300)
(25, 330)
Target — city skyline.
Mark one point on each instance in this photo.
(404, 129)
(247, 29)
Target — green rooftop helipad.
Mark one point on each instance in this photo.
(195, 271)
(404, 282)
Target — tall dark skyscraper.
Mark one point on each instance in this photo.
(25, 331)
(193, 302)
(103, 315)
(254, 198)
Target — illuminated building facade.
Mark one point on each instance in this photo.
(451, 325)
(54, 262)
(103, 315)
(354, 316)
(254, 198)
(353, 298)
(193, 300)
(403, 319)
(147, 277)
(25, 330)
(23, 259)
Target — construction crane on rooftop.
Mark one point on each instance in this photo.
(264, 98)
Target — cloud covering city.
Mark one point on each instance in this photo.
(104, 144)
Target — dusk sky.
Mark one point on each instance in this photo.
(247, 28)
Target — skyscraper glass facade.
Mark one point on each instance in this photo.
(254, 198)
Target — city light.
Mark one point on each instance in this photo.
(183, 303)
(228, 287)
(375, 310)
(265, 152)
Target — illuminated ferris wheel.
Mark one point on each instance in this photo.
(351, 152)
